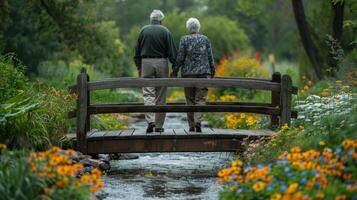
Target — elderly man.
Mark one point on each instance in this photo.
(196, 61)
(154, 46)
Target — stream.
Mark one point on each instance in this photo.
(166, 175)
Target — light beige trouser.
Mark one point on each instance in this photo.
(195, 96)
(155, 68)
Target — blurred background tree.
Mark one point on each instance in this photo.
(103, 34)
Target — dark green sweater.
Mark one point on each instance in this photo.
(155, 40)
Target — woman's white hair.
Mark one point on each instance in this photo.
(193, 25)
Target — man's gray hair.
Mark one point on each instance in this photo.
(157, 15)
(193, 25)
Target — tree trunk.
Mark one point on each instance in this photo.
(337, 22)
(337, 28)
(305, 36)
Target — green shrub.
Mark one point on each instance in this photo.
(16, 181)
(12, 78)
(36, 118)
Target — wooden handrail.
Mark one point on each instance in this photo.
(181, 82)
(72, 113)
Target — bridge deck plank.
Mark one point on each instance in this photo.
(172, 140)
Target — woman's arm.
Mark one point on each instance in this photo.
(210, 58)
(180, 57)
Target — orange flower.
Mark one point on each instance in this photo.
(347, 176)
(96, 172)
(86, 179)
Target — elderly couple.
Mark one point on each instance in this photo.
(154, 46)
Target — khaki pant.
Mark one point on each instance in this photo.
(155, 68)
(195, 96)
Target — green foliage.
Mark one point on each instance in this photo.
(43, 30)
(16, 181)
(31, 115)
(35, 119)
(234, 36)
(12, 78)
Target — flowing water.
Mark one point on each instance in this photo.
(166, 175)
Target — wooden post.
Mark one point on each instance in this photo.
(88, 104)
(285, 99)
(82, 108)
(275, 101)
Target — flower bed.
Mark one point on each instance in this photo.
(51, 174)
(311, 174)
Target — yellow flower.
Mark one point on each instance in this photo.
(295, 150)
(320, 195)
(347, 144)
(322, 143)
(3, 146)
(259, 186)
(285, 126)
(338, 82)
(237, 163)
(340, 197)
(292, 188)
(276, 196)
(324, 94)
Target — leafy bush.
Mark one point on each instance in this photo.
(31, 114)
(311, 174)
(45, 175)
(12, 78)
(35, 119)
(240, 66)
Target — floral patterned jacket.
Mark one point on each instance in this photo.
(194, 56)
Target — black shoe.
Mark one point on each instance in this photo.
(198, 128)
(159, 130)
(192, 129)
(150, 128)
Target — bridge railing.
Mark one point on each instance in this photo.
(279, 108)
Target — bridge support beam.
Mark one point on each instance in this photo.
(82, 111)
(285, 98)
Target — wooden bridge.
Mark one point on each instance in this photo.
(177, 140)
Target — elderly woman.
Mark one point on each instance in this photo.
(195, 61)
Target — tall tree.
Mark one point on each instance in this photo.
(305, 36)
(337, 29)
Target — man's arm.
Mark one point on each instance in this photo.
(172, 50)
(137, 55)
